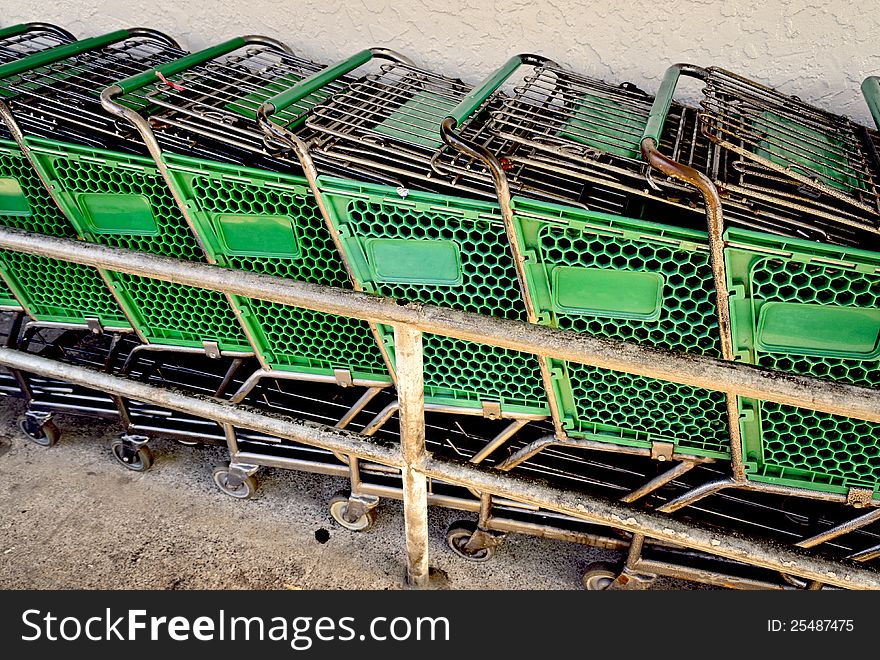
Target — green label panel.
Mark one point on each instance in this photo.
(12, 199)
(613, 293)
(414, 261)
(822, 330)
(113, 213)
(250, 235)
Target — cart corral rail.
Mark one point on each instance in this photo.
(409, 321)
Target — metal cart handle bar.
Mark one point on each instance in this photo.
(471, 103)
(654, 129)
(663, 100)
(707, 188)
(22, 28)
(308, 86)
(139, 80)
(66, 51)
(478, 95)
(871, 92)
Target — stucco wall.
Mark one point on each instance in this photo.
(818, 49)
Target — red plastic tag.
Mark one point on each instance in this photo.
(173, 85)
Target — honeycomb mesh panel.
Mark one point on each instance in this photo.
(694, 418)
(52, 290)
(800, 444)
(166, 312)
(293, 336)
(62, 291)
(777, 280)
(456, 369)
(808, 446)
(7, 298)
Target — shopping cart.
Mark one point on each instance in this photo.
(796, 305)
(405, 241)
(249, 212)
(643, 274)
(17, 42)
(111, 193)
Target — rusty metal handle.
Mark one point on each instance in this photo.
(663, 100)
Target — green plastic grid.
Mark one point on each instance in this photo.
(827, 294)
(636, 281)
(457, 232)
(51, 290)
(287, 338)
(121, 200)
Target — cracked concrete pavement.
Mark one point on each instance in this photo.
(71, 517)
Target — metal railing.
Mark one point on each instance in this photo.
(416, 464)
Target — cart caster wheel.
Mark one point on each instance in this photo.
(243, 491)
(339, 509)
(599, 576)
(45, 434)
(457, 538)
(137, 459)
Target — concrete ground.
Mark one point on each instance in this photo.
(71, 518)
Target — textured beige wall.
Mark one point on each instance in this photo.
(818, 49)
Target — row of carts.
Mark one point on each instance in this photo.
(745, 227)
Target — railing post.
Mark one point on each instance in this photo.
(411, 395)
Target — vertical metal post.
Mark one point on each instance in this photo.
(411, 395)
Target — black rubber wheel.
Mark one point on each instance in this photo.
(45, 435)
(245, 490)
(600, 575)
(339, 510)
(137, 460)
(457, 537)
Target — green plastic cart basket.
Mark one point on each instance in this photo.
(442, 249)
(111, 193)
(249, 205)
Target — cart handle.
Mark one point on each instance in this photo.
(139, 80)
(66, 51)
(308, 86)
(474, 100)
(478, 95)
(22, 28)
(663, 100)
(871, 92)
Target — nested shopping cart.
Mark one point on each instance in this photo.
(623, 259)
(796, 305)
(94, 170)
(247, 209)
(17, 42)
(401, 239)
(99, 173)
(251, 208)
